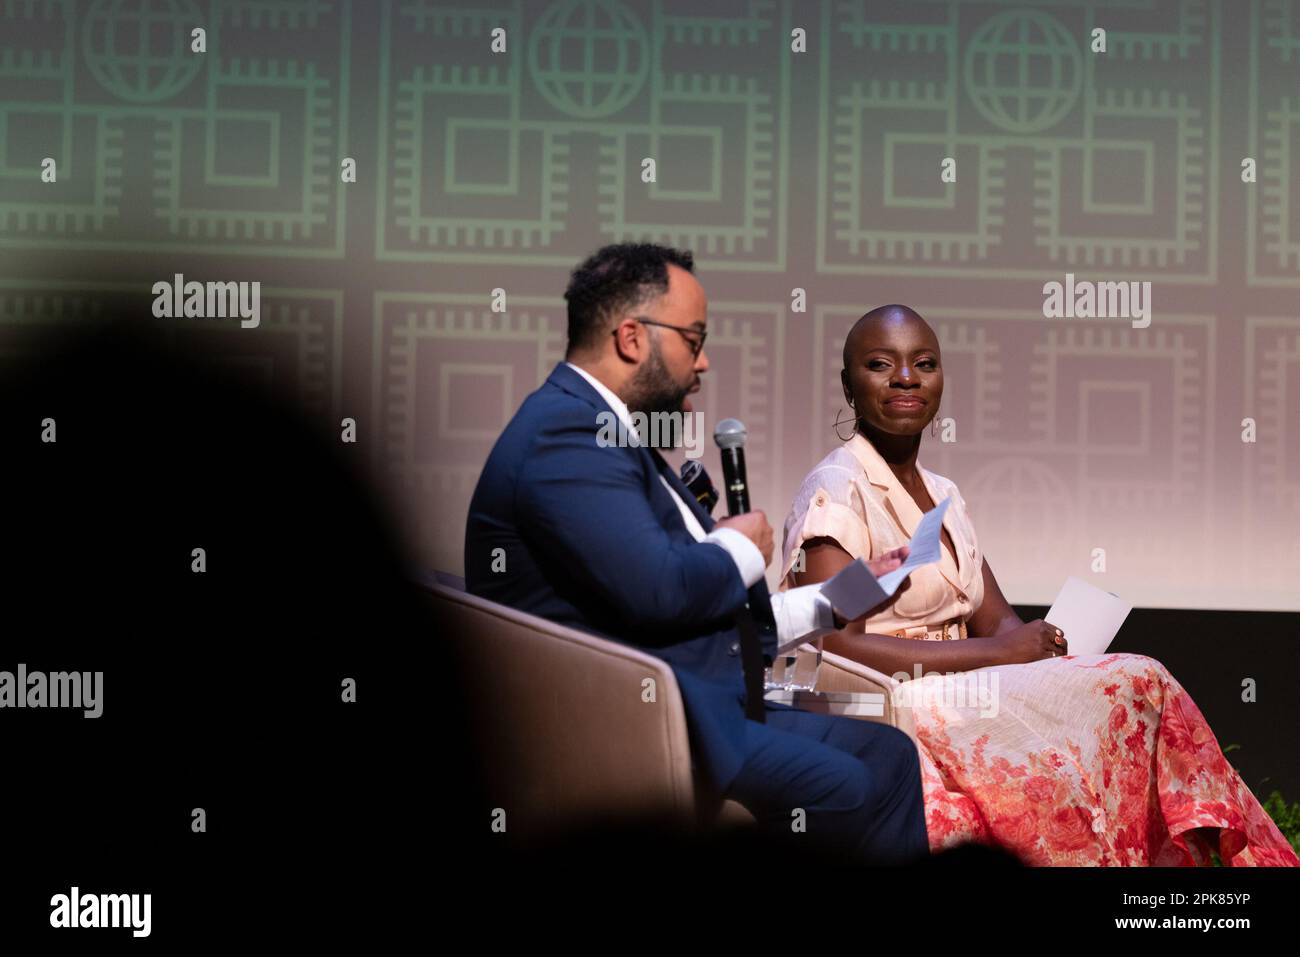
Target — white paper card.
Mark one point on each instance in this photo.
(1089, 616)
(855, 591)
(923, 549)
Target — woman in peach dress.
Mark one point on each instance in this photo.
(1074, 760)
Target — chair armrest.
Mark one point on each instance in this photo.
(838, 673)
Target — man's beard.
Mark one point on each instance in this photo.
(653, 390)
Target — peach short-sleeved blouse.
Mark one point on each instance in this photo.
(854, 497)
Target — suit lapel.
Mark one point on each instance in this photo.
(705, 519)
(572, 382)
(678, 486)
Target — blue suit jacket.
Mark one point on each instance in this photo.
(593, 540)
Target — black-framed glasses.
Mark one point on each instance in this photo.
(697, 345)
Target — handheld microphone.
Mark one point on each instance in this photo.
(730, 436)
(698, 483)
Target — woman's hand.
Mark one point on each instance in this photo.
(889, 561)
(1032, 641)
(880, 566)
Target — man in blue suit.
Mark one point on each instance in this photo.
(603, 536)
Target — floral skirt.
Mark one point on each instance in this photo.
(1096, 760)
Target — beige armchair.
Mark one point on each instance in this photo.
(839, 674)
(565, 731)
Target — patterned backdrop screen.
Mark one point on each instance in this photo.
(411, 183)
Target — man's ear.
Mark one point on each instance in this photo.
(628, 343)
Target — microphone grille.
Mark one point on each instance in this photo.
(729, 434)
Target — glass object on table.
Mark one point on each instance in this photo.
(796, 670)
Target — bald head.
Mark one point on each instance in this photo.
(877, 325)
(892, 375)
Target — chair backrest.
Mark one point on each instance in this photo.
(567, 729)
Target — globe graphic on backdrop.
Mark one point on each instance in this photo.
(1023, 71)
(1032, 505)
(139, 50)
(588, 58)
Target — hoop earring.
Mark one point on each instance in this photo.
(836, 426)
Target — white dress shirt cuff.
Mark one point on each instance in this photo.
(748, 559)
(802, 613)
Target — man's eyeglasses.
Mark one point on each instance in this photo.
(697, 345)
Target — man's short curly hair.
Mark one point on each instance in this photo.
(613, 280)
